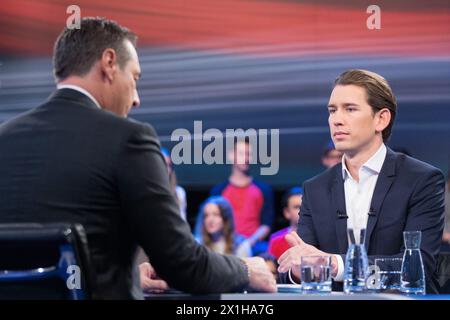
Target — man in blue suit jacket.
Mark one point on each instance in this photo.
(373, 188)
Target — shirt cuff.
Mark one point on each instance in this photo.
(340, 271)
(290, 277)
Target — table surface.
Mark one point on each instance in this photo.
(176, 295)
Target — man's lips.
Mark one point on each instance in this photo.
(340, 134)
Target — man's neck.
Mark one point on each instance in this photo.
(84, 84)
(354, 161)
(239, 178)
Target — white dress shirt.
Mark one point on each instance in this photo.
(358, 197)
(79, 89)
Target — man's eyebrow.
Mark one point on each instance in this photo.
(348, 104)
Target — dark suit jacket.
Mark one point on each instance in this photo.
(67, 160)
(409, 195)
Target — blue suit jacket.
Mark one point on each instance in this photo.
(409, 195)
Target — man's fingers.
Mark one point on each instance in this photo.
(150, 285)
(293, 239)
(295, 234)
(145, 269)
(283, 257)
(293, 254)
(271, 286)
(284, 262)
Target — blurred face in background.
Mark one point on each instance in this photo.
(332, 158)
(213, 220)
(241, 156)
(291, 212)
(168, 164)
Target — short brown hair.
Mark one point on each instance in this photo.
(76, 50)
(379, 93)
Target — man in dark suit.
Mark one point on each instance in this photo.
(76, 158)
(374, 188)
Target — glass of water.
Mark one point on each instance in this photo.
(315, 274)
(389, 272)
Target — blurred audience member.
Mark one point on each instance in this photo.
(291, 202)
(331, 156)
(215, 228)
(177, 189)
(252, 200)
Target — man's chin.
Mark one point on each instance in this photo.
(341, 146)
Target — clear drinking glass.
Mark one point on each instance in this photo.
(315, 274)
(389, 271)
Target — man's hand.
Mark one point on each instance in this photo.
(291, 259)
(261, 279)
(149, 279)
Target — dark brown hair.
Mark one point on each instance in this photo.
(379, 93)
(76, 50)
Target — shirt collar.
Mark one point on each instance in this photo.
(374, 164)
(79, 89)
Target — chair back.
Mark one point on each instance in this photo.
(45, 261)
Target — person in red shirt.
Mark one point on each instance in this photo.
(251, 199)
(292, 201)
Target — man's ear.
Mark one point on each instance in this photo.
(108, 63)
(383, 119)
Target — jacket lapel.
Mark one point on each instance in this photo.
(338, 202)
(384, 182)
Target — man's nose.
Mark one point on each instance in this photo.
(336, 118)
(136, 100)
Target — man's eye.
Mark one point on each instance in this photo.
(331, 111)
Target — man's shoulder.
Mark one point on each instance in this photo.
(105, 123)
(135, 125)
(113, 122)
(412, 166)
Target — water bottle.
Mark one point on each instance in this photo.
(356, 263)
(413, 275)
